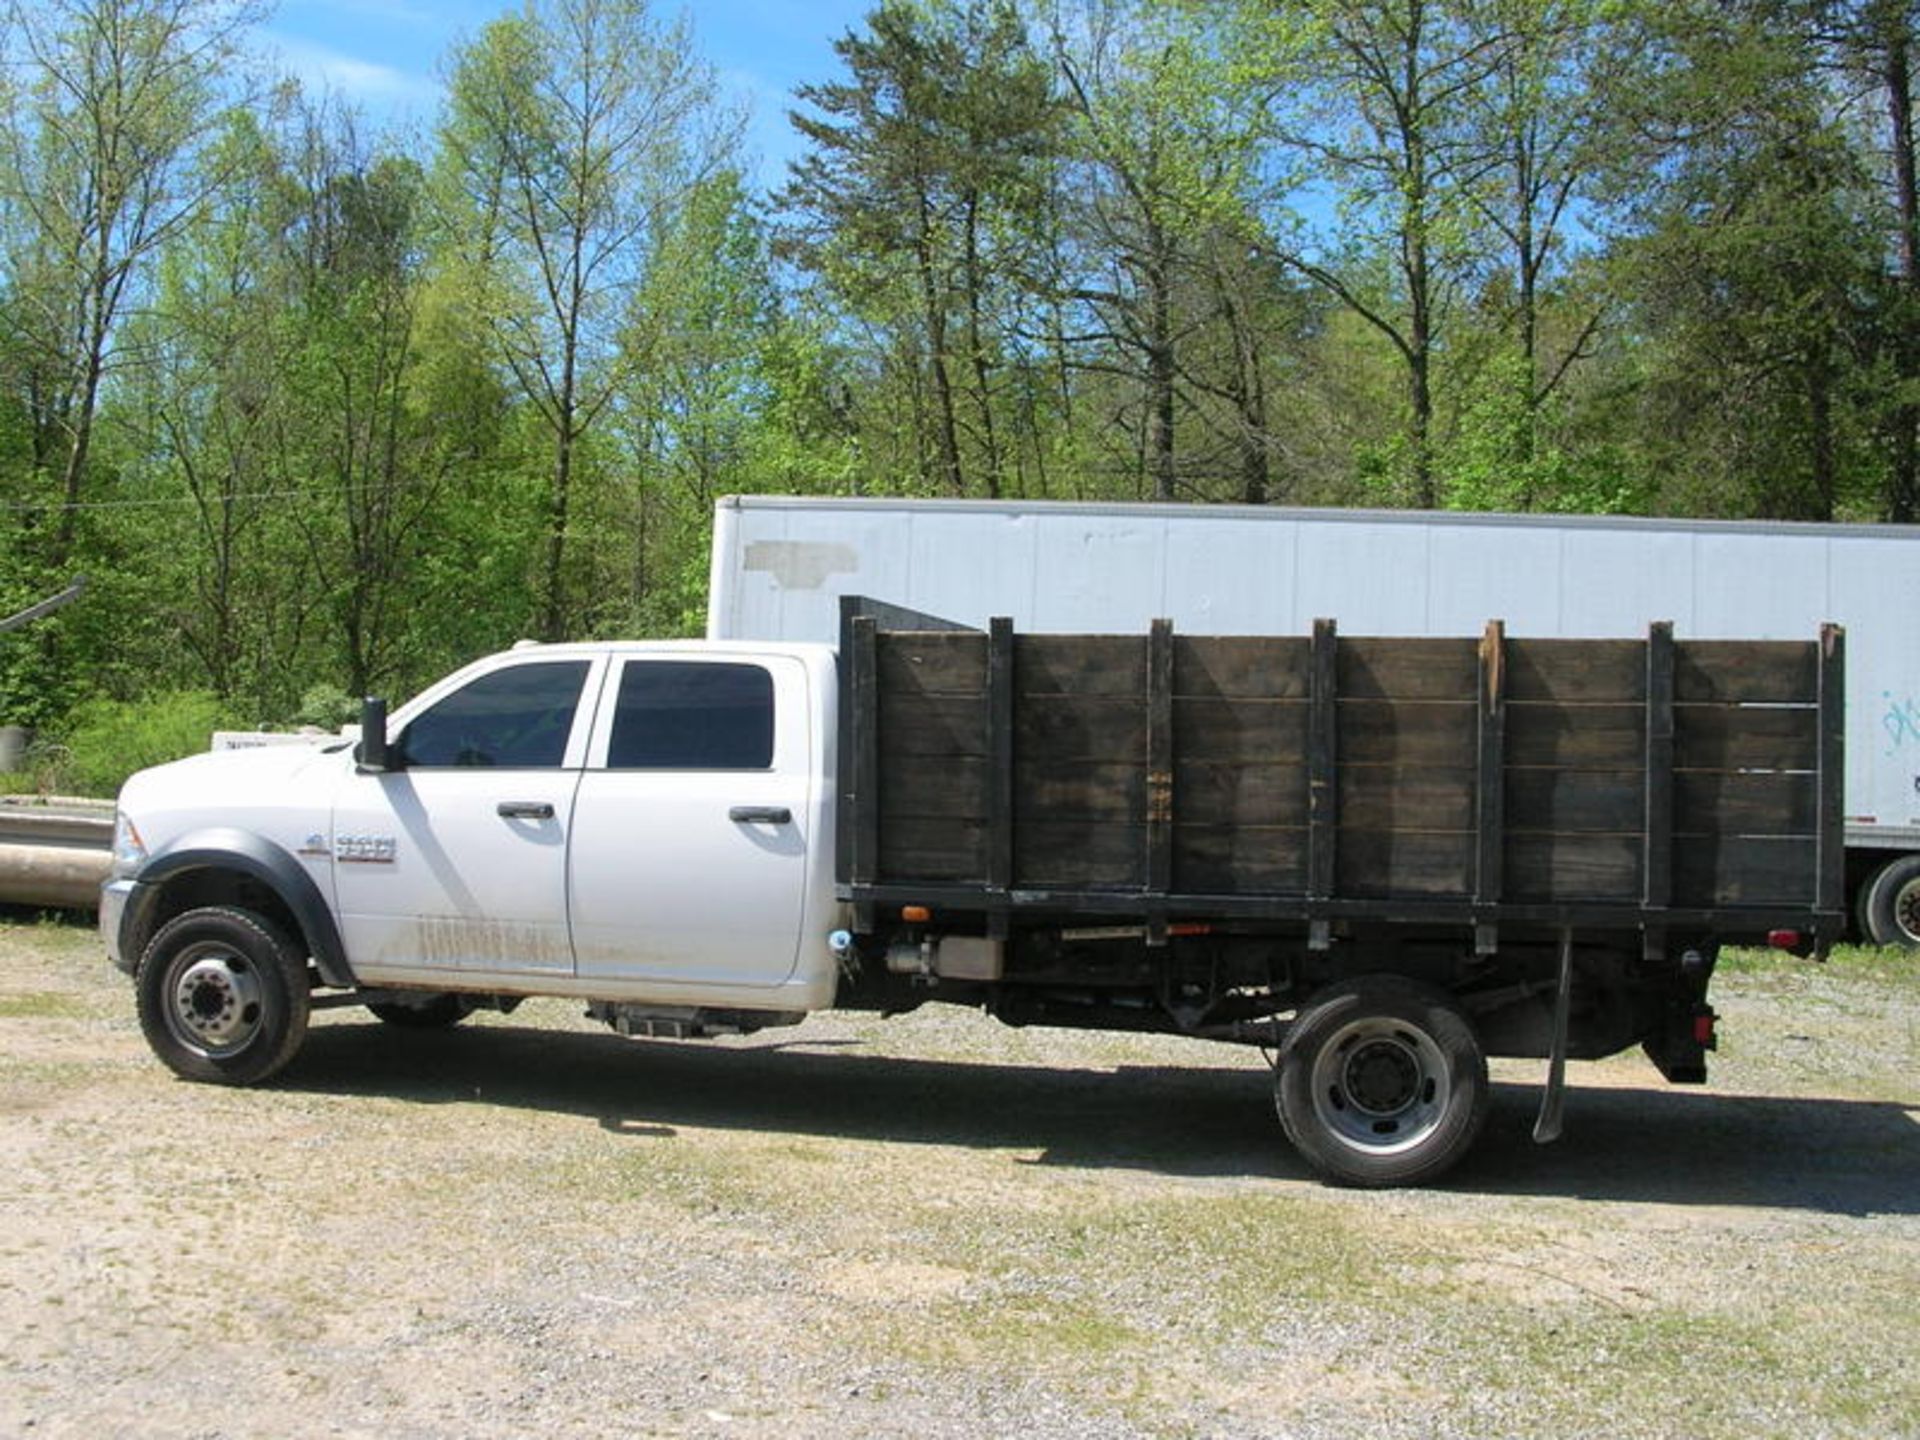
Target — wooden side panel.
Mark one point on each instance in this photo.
(1561, 868)
(935, 755)
(1392, 864)
(1718, 801)
(1232, 668)
(1576, 778)
(1747, 736)
(1577, 672)
(1241, 712)
(1081, 732)
(1575, 737)
(1240, 859)
(1371, 669)
(1082, 665)
(1240, 732)
(950, 848)
(1743, 869)
(1574, 802)
(1409, 750)
(917, 662)
(1184, 765)
(1730, 672)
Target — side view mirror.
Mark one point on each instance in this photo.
(372, 754)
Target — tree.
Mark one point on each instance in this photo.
(103, 167)
(1372, 97)
(572, 129)
(1871, 45)
(1160, 159)
(1536, 120)
(1748, 250)
(923, 172)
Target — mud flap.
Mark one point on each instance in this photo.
(1546, 1129)
(1679, 1047)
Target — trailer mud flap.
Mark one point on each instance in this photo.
(1546, 1129)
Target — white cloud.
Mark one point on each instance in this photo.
(363, 82)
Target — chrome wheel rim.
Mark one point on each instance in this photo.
(1906, 910)
(213, 1000)
(1380, 1086)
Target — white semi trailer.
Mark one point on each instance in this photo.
(781, 564)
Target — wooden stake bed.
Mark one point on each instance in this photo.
(1692, 784)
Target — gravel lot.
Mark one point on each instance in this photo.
(935, 1227)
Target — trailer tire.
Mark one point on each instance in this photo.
(1890, 904)
(223, 996)
(1382, 1082)
(440, 1013)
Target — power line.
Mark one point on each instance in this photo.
(52, 507)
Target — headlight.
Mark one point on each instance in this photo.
(129, 850)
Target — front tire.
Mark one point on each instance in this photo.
(1382, 1082)
(1890, 904)
(223, 996)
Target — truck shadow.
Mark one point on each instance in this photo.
(1844, 1157)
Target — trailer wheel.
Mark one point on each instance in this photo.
(223, 996)
(1382, 1082)
(1890, 905)
(438, 1013)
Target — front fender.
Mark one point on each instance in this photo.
(235, 852)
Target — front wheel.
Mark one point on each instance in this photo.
(223, 996)
(1382, 1082)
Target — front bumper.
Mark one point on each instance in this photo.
(115, 896)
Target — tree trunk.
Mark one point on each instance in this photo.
(1161, 370)
(948, 434)
(74, 476)
(977, 349)
(1903, 501)
(1529, 301)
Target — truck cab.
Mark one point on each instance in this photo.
(644, 825)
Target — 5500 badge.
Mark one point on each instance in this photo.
(365, 849)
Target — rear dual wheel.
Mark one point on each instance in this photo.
(1889, 910)
(1382, 1082)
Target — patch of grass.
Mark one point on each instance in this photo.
(1027, 1331)
(43, 1005)
(1883, 964)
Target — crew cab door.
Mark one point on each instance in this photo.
(456, 860)
(690, 833)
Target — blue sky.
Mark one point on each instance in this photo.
(388, 56)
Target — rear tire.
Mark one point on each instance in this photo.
(223, 996)
(439, 1013)
(1382, 1082)
(1890, 904)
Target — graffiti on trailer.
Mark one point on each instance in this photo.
(1901, 720)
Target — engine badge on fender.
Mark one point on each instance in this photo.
(365, 849)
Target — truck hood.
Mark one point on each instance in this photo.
(227, 775)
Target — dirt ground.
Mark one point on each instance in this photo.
(937, 1227)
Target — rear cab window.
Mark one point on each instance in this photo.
(692, 715)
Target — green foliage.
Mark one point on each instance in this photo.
(341, 411)
(105, 741)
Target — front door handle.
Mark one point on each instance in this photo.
(760, 815)
(524, 810)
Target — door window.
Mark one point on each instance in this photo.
(515, 718)
(686, 715)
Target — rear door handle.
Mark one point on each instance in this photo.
(524, 810)
(760, 815)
